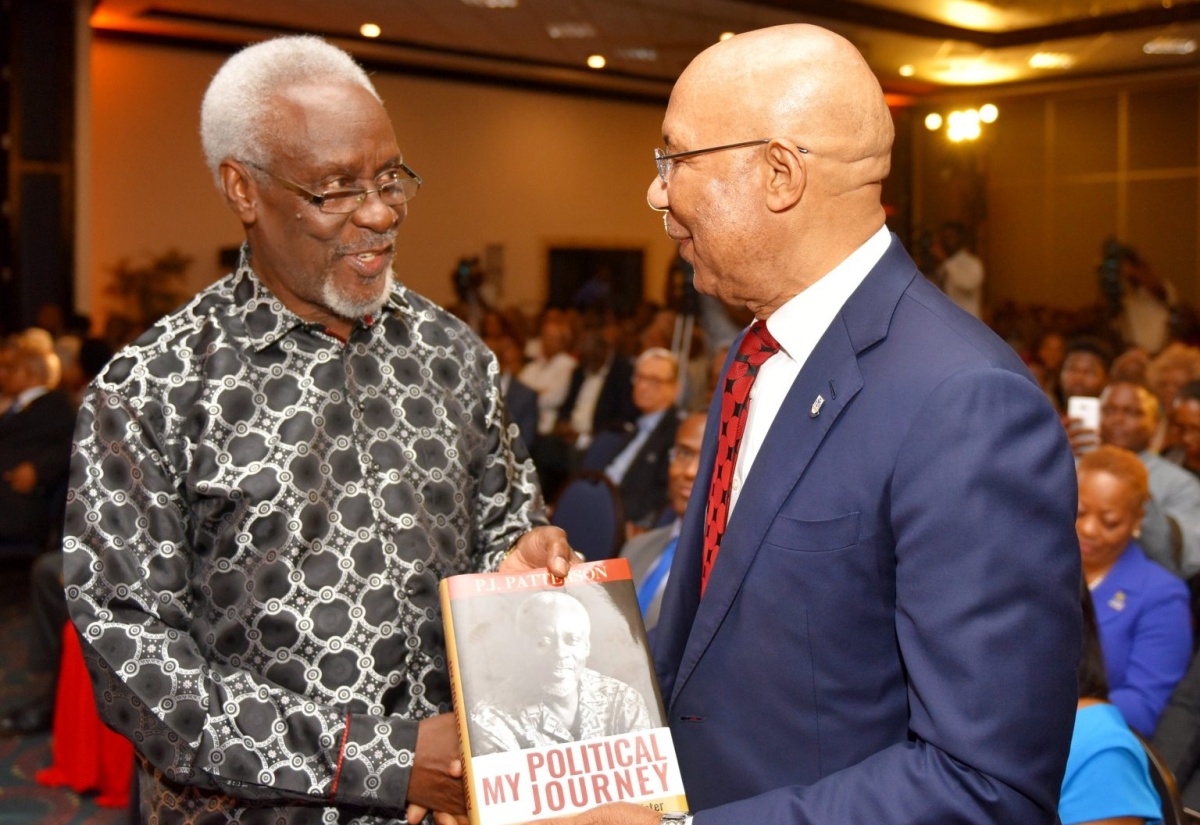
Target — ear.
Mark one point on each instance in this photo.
(787, 174)
(240, 190)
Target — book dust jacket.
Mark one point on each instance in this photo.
(554, 691)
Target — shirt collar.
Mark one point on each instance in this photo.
(799, 324)
(27, 397)
(649, 421)
(266, 320)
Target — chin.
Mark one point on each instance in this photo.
(354, 307)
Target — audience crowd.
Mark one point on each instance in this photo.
(626, 395)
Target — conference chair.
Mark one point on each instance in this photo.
(603, 449)
(1164, 783)
(589, 508)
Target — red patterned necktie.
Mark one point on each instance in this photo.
(757, 346)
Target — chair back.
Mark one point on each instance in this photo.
(1164, 783)
(589, 508)
(603, 449)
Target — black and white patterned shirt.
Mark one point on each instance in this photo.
(259, 517)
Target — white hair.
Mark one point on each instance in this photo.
(658, 352)
(236, 117)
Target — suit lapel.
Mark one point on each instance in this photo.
(830, 373)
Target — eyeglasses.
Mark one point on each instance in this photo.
(395, 187)
(651, 379)
(665, 161)
(684, 455)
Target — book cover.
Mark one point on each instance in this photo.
(558, 708)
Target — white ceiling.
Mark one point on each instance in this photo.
(947, 43)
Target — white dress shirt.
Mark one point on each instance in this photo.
(798, 325)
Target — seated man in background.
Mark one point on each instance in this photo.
(599, 397)
(1170, 529)
(35, 445)
(35, 454)
(650, 554)
(639, 469)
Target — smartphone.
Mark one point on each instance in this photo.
(1086, 409)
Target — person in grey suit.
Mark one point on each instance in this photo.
(648, 554)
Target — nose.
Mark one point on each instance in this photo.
(1084, 527)
(374, 214)
(656, 195)
(691, 468)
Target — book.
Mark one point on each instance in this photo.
(557, 704)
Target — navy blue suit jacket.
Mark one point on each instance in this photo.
(891, 630)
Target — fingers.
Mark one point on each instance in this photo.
(542, 547)
(436, 781)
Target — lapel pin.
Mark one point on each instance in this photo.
(816, 407)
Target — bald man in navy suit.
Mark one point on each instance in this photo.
(890, 629)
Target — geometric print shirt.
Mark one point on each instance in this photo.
(259, 517)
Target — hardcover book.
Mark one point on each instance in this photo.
(558, 708)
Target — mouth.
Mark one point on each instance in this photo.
(370, 263)
(674, 233)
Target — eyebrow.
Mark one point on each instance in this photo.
(337, 169)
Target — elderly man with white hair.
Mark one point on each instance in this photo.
(268, 485)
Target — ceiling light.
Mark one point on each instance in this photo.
(963, 125)
(933, 121)
(370, 30)
(1170, 45)
(596, 61)
(907, 70)
(973, 15)
(647, 55)
(492, 4)
(726, 35)
(988, 113)
(570, 31)
(968, 72)
(1051, 60)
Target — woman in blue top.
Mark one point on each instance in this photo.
(1142, 610)
(1107, 781)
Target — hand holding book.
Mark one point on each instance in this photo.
(541, 547)
(557, 704)
(437, 771)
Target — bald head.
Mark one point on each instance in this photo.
(808, 194)
(802, 82)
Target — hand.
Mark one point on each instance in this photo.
(614, 813)
(22, 478)
(1082, 438)
(541, 547)
(415, 813)
(436, 781)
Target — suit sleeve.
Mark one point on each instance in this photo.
(981, 508)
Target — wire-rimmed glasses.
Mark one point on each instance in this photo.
(395, 187)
